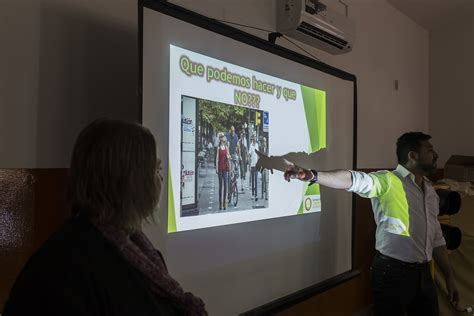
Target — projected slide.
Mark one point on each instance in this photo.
(219, 114)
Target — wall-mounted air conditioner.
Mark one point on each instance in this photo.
(311, 22)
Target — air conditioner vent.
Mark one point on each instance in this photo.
(324, 36)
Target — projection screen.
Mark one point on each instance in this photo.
(206, 86)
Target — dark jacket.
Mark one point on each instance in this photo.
(78, 272)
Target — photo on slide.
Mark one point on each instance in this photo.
(218, 158)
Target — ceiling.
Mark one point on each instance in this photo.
(433, 14)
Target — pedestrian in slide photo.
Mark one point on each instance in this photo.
(222, 170)
(253, 170)
(264, 149)
(234, 150)
(243, 158)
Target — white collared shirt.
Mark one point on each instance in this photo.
(406, 215)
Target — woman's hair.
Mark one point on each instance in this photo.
(115, 174)
(221, 135)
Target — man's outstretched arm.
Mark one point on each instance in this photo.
(361, 183)
(336, 179)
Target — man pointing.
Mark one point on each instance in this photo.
(408, 234)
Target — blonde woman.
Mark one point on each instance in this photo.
(100, 262)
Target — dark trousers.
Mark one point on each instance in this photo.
(243, 167)
(402, 289)
(215, 154)
(253, 176)
(223, 179)
(265, 184)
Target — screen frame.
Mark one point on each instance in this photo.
(226, 30)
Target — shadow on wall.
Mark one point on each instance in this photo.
(88, 68)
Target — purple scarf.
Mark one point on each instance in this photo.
(141, 254)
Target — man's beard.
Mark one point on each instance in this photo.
(428, 168)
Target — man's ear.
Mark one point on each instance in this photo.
(412, 156)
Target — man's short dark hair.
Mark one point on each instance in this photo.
(409, 142)
(114, 174)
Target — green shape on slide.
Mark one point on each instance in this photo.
(314, 101)
(300, 211)
(313, 190)
(171, 214)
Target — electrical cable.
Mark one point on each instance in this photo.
(312, 56)
(269, 31)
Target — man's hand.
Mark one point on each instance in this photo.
(295, 172)
(453, 293)
(440, 255)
